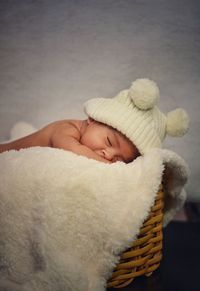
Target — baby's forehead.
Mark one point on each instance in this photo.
(111, 129)
(115, 131)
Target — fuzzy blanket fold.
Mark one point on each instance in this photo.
(64, 219)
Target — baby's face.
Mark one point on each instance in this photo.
(108, 143)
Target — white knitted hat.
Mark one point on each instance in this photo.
(133, 112)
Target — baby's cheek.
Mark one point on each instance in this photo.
(99, 152)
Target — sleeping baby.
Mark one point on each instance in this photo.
(117, 129)
(84, 137)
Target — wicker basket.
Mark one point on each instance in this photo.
(146, 252)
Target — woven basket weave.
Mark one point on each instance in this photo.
(144, 256)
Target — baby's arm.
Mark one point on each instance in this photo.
(24, 142)
(67, 137)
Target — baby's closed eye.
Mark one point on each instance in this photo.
(109, 141)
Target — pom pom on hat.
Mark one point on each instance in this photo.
(177, 122)
(144, 93)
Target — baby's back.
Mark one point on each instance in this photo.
(41, 137)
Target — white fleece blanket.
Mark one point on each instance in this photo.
(64, 219)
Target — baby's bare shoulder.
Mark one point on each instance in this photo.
(65, 127)
(70, 124)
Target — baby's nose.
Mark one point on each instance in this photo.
(109, 154)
